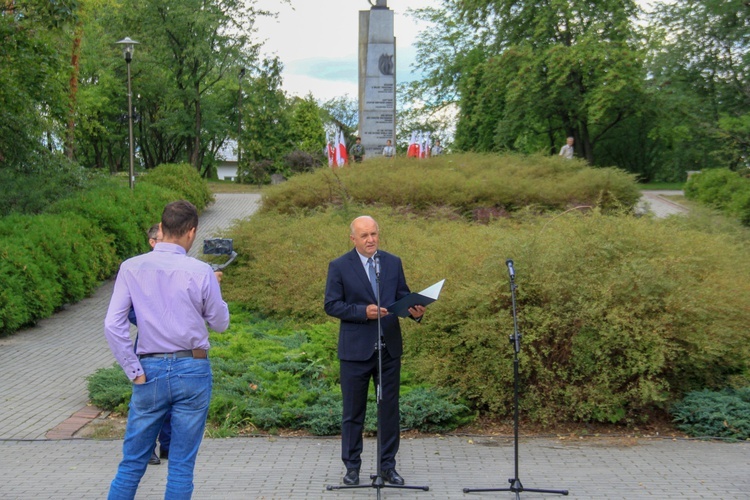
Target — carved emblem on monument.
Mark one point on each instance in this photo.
(385, 64)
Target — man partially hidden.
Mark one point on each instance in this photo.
(174, 297)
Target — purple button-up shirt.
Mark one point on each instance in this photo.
(174, 297)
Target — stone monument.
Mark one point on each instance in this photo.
(377, 78)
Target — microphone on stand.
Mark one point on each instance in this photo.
(511, 271)
(376, 260)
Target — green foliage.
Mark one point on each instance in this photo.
(110, 388)
(722, 189)
(270, 375)
(183, 179)
(45, 179)
(472, 185)
(306, 127)
(47, 261)
(618, 314)
(123, 215)
(59, 257)
(32, 95)
(724, 414)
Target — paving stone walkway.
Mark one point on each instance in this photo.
(43, 401)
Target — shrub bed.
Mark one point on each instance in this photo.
(618, 314)
(60, 256)
(467, 183)
(270, 375)
(722, 189)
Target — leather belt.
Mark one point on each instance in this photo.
(188, 353)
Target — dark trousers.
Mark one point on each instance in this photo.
(355, 381)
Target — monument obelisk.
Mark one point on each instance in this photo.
(377, 78)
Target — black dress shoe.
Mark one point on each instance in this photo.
(392, 477)
(352, 477)
(154, 460)
(163, 454)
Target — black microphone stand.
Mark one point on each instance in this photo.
(377, 479)
(515, 339)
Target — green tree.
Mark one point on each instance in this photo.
(265, 114)
(306, 126)
(699, 59)
(555, 69)
(32, 78)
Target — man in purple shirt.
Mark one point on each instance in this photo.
(174, 297)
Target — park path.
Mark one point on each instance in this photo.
(43, 369)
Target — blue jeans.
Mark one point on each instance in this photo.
(183, 386)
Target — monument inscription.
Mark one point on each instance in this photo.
(377, 78)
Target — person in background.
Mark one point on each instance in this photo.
(567, 150)
(389, 151)
(350, 296)
(437, 149)
(357, 151)
(175, 297)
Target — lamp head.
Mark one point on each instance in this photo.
(128, 47)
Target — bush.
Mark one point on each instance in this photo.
(30, 190)
(183, 179)
(301, 161)
(618, 314)
(255, 172)
(59, 257)
(722, 189)
(110, 388)
(270, 375)
(724, 414)
(464, 183)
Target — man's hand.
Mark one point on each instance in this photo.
(140, 379)
(218, 275)
(372, 311)
(416, 311)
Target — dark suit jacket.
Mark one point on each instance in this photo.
(348, 293)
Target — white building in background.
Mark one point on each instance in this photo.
(227, 160)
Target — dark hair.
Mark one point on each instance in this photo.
(153, 232)
(178, 218)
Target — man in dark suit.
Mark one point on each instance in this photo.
(351, 297)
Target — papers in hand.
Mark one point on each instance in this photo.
(426, 296)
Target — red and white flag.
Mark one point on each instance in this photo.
(341, 157)
(413, 151)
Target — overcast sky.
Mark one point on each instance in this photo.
(317, 42)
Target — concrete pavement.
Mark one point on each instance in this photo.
(43, 395)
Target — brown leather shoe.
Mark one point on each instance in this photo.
(352, 477)
(393, 477)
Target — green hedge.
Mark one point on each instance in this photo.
(60, 256)
(475, 186)
(182, 178)
(619, 314)
(722, 189)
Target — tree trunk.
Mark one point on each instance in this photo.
(195, 156)
(73, 91)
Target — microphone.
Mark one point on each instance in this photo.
(376, 260)
(511, 271)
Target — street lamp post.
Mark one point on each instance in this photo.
(239, 121)
(128, 47)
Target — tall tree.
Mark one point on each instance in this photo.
(306, 127)
(32, 75)
(700, 67)
(536, 71)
